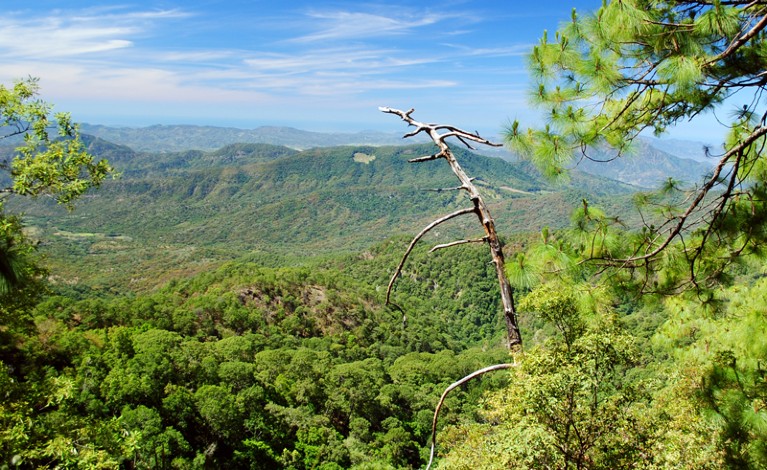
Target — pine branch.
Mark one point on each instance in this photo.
(681, 221)
(740, 41)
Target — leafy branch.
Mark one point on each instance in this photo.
(639, 65)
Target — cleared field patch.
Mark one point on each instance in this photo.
(95, 236)
(360, 157)
(514, 190)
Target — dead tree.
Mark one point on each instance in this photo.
(439, 133)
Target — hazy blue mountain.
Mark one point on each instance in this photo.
(645, 166)
(685, 149)
(164, 138)
(651, 162)
(654, 160)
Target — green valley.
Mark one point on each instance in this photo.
(199, 297)
(224, 308)
(192, 209)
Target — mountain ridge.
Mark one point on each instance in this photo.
(173, 138)
(191, 208)
(651, 163)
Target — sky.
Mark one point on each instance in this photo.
(315, 65)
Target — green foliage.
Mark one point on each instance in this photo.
(569, 403)
(60, 167)
(618, 380)
(246, 366)
(286, 360)
(639, 65)
(16, 265)
(723, 353)
(38, 426)
(297, 198)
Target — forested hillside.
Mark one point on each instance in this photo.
(146, 348)
(226, 309)
(251, 367)
(265, 306)
(651, 162)
(191, 209)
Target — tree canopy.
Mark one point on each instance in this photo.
(647, 65)
(50, 160)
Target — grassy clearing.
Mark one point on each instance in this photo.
(360, 157)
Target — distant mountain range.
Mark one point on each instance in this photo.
(189, 196)
(164, 138)
(646, 165)
(697, 151)
(186, 209)
(652, 161)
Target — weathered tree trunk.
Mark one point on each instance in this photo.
(479, 208)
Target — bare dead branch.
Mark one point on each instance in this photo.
(444, 395)
(413, 133)
(458, 242)
(461, 134)
(480, 208)
(454, 188)
(421, 127)
(491, 238)
(442, 190)
(425, 158)
(423, 232)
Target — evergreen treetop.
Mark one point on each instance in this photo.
(647, 65)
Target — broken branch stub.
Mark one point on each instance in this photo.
(479, 208)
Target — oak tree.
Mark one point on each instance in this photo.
(45, 157)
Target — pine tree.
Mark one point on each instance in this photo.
(648, 65)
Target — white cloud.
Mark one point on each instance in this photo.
(348, 59)
(48, 38)
(60, 34)
(507, 51)
(345, 25)
(201, 56)
(115, 59)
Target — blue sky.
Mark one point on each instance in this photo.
(322, 65)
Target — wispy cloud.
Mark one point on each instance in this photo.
(197, 56)
(360, 60)
(63, 35)
(507, 51)
(48, 38)
(345, 57)
(346, 25)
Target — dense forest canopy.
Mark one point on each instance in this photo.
(644, 335)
